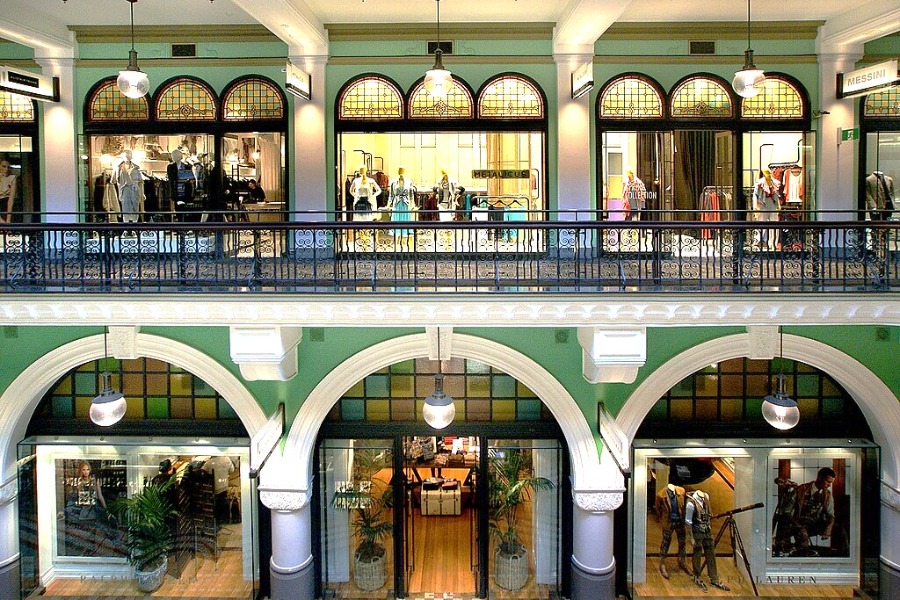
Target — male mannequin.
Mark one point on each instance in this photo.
(670, 507)
(181, 181)
(697, 515)
(879, 196)
(128, 180)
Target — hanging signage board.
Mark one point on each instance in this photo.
(867, 80)
(298, 82)
(614, 438)
(26, 83)
(263, 443)
(501, 174)
(582, 80)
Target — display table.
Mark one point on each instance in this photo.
(265, 212)
(441, 502)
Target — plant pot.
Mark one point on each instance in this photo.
(510, 570)
(150, 581)
(370, 575)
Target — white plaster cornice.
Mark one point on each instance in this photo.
(890, 496)
(450, 310)
(284, 500)
(597, 501)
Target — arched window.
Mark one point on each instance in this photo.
(700, 97)
(370, 97)
(108, 104)
(252, 99)
(15, 108)
(185, 99)
(510, 97)
(778, 99)
(457, 104)
(883, 104)
(630, 97)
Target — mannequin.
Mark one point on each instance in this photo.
(670, 508)
(880, 196)
(445, 190)
(129, 181)
(402, 200)
(766, 202)
(697, 515)
(7, 190)
(364, 190)
(635, 194)
(181, 181)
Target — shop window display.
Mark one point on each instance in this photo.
(881, 122)
(18, 176)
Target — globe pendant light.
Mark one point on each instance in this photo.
(437, 79)
(747, 82)
(778, 409)
(439, 410)
(133, 82)
(109, 406)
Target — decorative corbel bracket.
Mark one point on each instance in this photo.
(439, 340)
(265, 352)
(612, 355)
(763, 342)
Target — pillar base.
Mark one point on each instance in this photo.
(10, 580)
(888, 581)
(294, 585)
(592, 586)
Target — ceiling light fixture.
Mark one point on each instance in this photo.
(133, 82)
(747, 82)
(439, 410)
(437, 79)
(778, 409)
(109, 406)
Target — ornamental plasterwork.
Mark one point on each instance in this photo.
(8, 491)
(598, 501)
(284, 500)
(890, 497)
(763, 342)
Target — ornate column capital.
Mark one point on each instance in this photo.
(594, 501)
(284, 500)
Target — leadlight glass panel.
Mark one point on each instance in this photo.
(778, 99)
(700, 97)
(253, 99)
(185, 100)
(456, 105)
(630, 98)
(370, 98)
(108, 104)
(16, 108)
(883, 104)
(509, 97)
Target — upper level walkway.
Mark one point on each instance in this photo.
(312, 254)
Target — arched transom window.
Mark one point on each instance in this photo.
(456, 105)
(185, 100)
(252, 99)
(778, 99)
(510, 97)
(370, 97)
(883, 104)
(700, 97)
(630, 98)
(16, 108)
(108, 104)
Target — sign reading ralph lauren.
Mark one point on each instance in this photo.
(867, 80)
(500, 174)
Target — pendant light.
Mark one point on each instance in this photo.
(747, 82)
(133, 82)
(109, 406)
(439, 410)
(778, 409)
(437, 79)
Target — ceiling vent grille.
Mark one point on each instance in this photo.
(703, 47)
(446, 47)
(184, 50)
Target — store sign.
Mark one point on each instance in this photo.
(266, 440)
(582, 80)
(870, 79)
(26, 83)
(298, 81)
(501, 174)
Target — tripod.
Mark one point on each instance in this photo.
(736, 542)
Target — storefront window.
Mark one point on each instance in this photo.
(371, 97)
(185, 100)
(457, 104)
(789, 159)
(881, 126)
(107, 103)
(631, 97)
(18, 167)
(510, 97)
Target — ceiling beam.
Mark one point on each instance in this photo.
(848, 31)
(582, 22)
(48, 40)
(293, 21)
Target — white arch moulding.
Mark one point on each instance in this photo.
(875, 399)
(294, 469)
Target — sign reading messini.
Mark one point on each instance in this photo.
(265, 440)
(297, 81)
(582, 80)
(867, 80)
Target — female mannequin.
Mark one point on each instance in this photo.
(402, 201)
(7, 190)
(364, 190)
(129, 180)
(767, 201)
(445, 189)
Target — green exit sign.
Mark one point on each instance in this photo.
(849, 134)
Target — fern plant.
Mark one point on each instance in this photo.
(146, 518)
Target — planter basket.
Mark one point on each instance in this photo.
(150, 581)
(370, 576)
(510, 570)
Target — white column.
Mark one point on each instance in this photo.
(59, 187)
(9, 540)
(291, 538)
(592, 540)
(836, 188)
(291, 565)
(890, 533)
(574, 137)
(310, 165)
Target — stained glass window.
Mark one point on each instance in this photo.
(630, 97)
(16, 108)
(700, 97)
(480, 393)
(370, 98)
(508, 97)
(108, 104)
(778, 99)
(456, 105)
(251, 99)
(883, 104)
(185, 100)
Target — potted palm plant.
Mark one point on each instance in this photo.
(146, 518)
(510, 485)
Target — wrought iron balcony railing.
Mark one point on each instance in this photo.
(520, 256)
